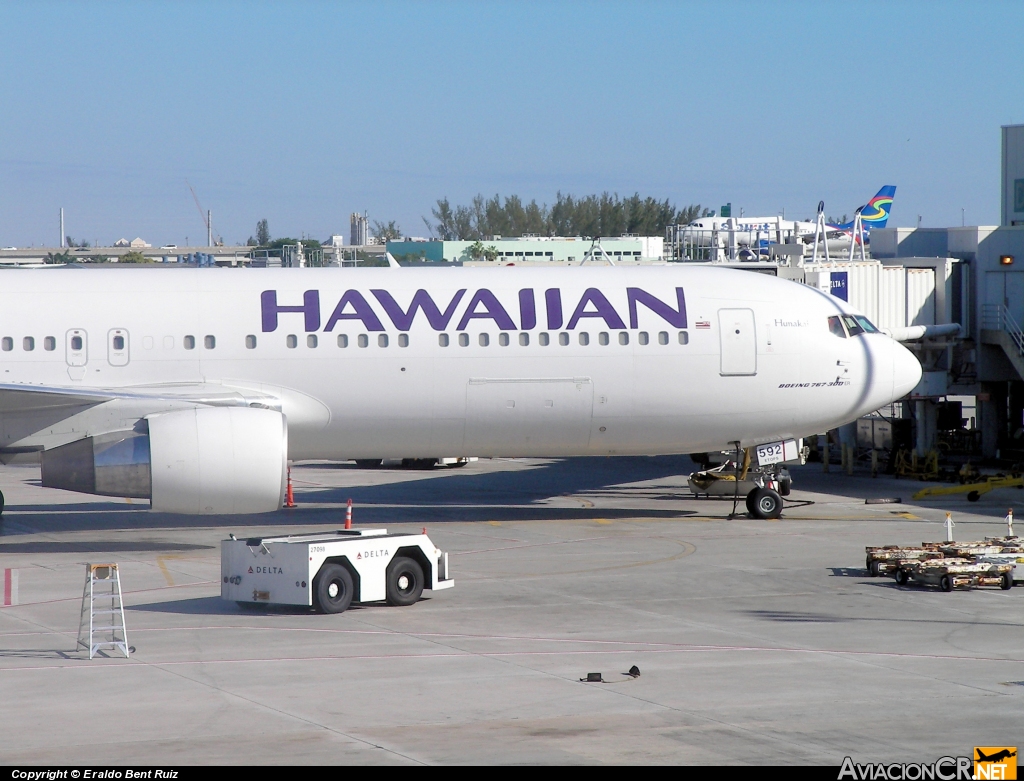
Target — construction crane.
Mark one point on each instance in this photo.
(205, 216)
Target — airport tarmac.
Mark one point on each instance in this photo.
(761, 642)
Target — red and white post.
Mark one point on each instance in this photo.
(348, 515)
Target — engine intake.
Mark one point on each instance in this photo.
(210, 460)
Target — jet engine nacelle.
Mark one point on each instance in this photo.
(216, 460)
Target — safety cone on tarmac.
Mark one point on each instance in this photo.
(348, 515)
(949, 527)
(289, 498)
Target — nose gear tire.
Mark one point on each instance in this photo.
(767, 504)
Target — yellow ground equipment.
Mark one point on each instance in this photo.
(909, 464)
(973, 490)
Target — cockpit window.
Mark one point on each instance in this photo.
(866, 324)
(852, 325)
(835, 325)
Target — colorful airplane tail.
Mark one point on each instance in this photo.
(876, 213)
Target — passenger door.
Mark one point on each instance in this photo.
(117, 347)
(76, 347)
(76, 352)
(738, 341)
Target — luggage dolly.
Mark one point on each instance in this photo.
(948, 574)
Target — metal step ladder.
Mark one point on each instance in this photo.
(103, 608)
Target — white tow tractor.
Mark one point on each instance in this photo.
(331, 570)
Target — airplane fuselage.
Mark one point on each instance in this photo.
(374, 363)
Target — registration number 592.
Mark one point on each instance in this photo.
(777, 452)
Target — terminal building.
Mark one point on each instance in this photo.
(973, 276)
(527, 249)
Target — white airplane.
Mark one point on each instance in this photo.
(761, 231)
(194, 387)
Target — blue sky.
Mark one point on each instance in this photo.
(301, 113)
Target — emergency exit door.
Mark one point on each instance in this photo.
(738, 341)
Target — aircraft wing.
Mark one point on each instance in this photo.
(25, 398)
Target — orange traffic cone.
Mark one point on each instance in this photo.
(348, 515)
(289, 498)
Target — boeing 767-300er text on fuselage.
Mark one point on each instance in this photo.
(195, 387)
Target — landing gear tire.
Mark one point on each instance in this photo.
(1007, 582)
(333, 589)
(973, 496)
(369, 463)
(785, 486)
(767, 504)
(404, 582)
(901, 577)
(946, 583)
(750, 503)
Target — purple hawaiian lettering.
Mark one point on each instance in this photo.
(270, 309)
(527, 309)
(553, 302)
(493, 310)
(675, 317)
(360, 311)
(602, 309)
(421, 300)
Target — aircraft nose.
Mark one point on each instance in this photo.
(906, 371)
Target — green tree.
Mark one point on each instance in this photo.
(607, 214)
(135, 257)
(490, 252)
(58, 257)
(386, 232)
(445, 225)
(476, 250)
(262, 233)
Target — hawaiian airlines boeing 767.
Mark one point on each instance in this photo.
(194, 388)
